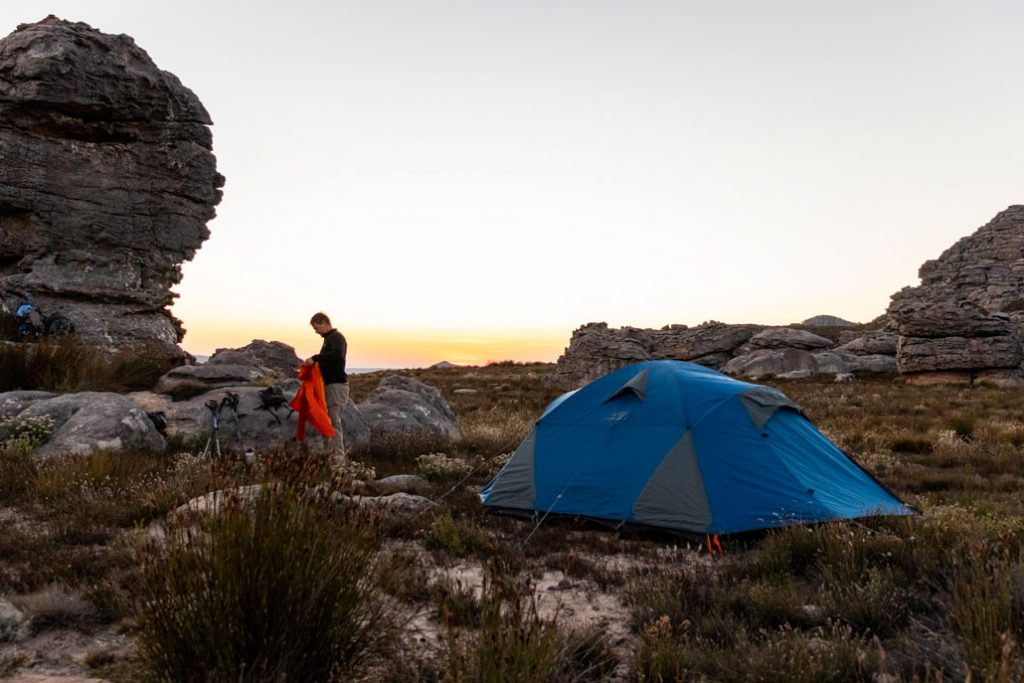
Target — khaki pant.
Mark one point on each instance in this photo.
(337, 397)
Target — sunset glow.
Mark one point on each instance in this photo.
(388, 348)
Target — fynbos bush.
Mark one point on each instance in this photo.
(28, 433)
(277, 589)
(440, 467)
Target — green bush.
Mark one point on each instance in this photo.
(455, 537)
(279, 589)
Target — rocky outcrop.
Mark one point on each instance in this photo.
(595, 349)
(967, 314)
(274, 356)
(106, 185)
(752, 351)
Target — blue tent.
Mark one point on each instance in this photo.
(680, 446)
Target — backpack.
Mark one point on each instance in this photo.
(30, 321)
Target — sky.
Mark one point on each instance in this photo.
(471, 181)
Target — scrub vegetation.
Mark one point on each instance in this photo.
(287, 582)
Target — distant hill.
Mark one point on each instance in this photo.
(829, 321)
(443, 364)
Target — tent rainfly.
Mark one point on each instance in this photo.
(680, 446)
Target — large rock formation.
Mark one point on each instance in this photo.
(106, 185)
(754, 351)
(968, 312)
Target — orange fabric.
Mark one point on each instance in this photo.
(311, 403)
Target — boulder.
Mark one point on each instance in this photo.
(958, 353)
(947, 319)
(400, 504)
(13, 402)
(13, 624)
(277, 357)
(188, 381)
(879, 363)
(836, 362)
(787, 338)
(405, 404)
(872, 342)
(402, 482)
(771, 363)
(259, 429)
(966, 313)
(114, 183)
(91, 421)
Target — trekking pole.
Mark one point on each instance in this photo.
(214, 409)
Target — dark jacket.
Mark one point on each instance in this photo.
(332, 358)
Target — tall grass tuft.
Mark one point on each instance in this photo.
(279, 589)
(987, 612)
(66, 364)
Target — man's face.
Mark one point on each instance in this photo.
(321, 328)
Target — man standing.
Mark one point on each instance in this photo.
(332, 366)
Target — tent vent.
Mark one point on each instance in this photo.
(636, 386)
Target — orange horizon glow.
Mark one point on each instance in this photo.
(388, 348)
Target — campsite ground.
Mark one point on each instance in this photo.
(928, 598)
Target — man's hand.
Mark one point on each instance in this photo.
(308, 361)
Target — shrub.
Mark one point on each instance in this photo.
(454, 537)
(27, 432)
(280, 589)
(440, 467)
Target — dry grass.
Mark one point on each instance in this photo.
(937, 597)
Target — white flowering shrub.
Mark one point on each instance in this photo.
(494, 464)
(438, 467)
(27, 433)
(353, 469)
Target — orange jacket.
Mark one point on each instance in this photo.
(311, 403)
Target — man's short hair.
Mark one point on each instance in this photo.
(319, 318)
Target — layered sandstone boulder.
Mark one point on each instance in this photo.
(107, 183)
(967, 314)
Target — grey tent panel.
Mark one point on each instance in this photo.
(637, 386)
(763, 402)
(674, 496)
(514, 486)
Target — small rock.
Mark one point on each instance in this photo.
(402, 482)
(564, 584)
(843, 377)
(465, 392)
(12, 623)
